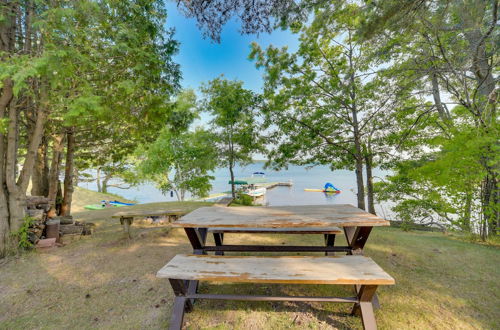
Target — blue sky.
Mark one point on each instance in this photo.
(202, 60)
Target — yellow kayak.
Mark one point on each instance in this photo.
(322, 190)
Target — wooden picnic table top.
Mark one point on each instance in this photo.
(148, 213)
(297, 216)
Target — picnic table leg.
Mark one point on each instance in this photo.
(181, 304)
(365, 306)
(218, 239)
(329, 241)
(126, 222)
(197, 237)
(356, 238)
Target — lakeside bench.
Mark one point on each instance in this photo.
(127, 217)
(345, 270)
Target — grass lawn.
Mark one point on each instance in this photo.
(107, 281)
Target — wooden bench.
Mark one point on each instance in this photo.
(127, 217)
(328, 233)
(184, 272)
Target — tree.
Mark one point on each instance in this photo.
(67, 68)
(450, 47)
(234, 123)
(327, 100)
(181, 162)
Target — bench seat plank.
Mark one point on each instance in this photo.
(302, 230)
(277, 269)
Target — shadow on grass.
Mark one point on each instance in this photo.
(336, 315)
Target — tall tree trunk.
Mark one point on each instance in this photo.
(68, 173)
(231, 172)
(59, 197)
(467, 212)
(355, 126)
(5, 99)
(57, 151)
(490, 202)
(104, 187)
(369, 183)
(7, 33)
(40, 180)
(98, 179)
(15, 195)
(359, 182)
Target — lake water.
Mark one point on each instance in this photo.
(302, 177)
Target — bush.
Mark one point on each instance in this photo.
(22, 236)
(243, 199)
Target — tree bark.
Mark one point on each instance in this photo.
(57, 151)
(355, 126)
(98, 179)
(369, 184)
(7, 33)
(40, 179)
(467, 212)
(59, 197)
(104, 187)
(68, 173)
(5, 99)
(231, 172)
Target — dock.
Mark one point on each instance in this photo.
(222, 196)
(271, 185)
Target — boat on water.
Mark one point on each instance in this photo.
(250, 186)
(255, 192)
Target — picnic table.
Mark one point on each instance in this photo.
(355, 223)
(185, 271)
(127, 217)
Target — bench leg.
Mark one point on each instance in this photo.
(126, 222)
(177, 313)
(219, 239)
(365, 306)
(181, 304)
(197, 237)
(329, 241)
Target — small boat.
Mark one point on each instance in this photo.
(106, 204)
(256, 192)
(121, 203)
(95, 207)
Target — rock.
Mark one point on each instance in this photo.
(65, 220)
(36, 214)
(71, 229)
(46, 243)
(32, 202)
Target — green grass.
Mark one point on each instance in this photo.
(107, 281)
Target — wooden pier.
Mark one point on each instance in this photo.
(271, 185)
